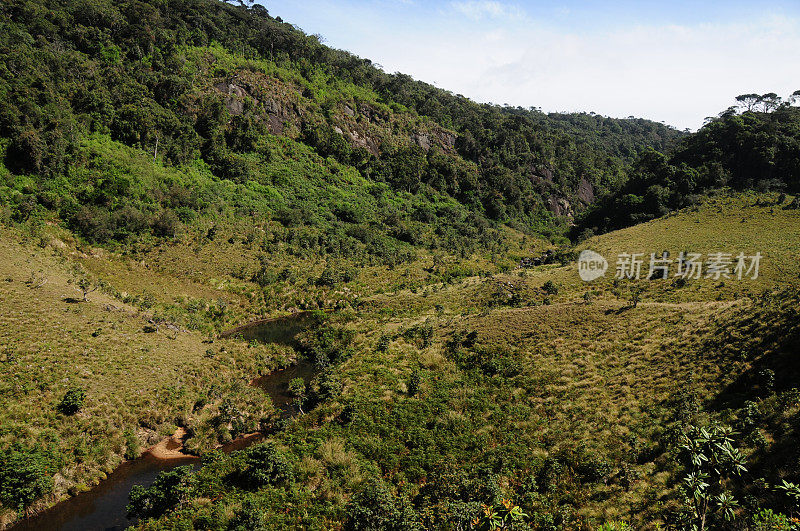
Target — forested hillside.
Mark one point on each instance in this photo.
(232, 89)
(754, 145)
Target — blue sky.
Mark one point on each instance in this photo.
(675, 62)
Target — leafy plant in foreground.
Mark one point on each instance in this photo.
(710, 460)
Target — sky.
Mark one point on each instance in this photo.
(675, 62)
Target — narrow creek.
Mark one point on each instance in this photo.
(102, 508)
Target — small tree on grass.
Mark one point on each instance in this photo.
(297, 388)
(636, 296)
(550, 287)
(83, 283)
(86, 286)
(414, 382)
(72, 401)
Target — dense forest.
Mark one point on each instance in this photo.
(204, 82)
(754, 145)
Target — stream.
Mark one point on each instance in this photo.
(102, 508)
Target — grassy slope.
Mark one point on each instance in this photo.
(593, 372)
(134, 380)
(597, 377)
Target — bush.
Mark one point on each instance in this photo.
(72, 401)
(376, 507)
(264, 465)
(170, 489)
(25, 476)
(166, 224)
(615, 525)
(250, 517)
(550, 288)
(413, 382)
(766, 520)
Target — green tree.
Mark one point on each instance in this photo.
(169, 490)
(710, 459)
(25, 476)
(72, 401)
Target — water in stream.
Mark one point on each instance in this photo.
(102, 508)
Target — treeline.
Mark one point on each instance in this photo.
(752, 146)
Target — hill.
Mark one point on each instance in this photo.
(212, 82)
(752, 146)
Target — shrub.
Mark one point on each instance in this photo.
(250, 517)
(766, 520)
(383, 343)
(25, 476)
(413, 382)
(170, 489)
(72, 401)
(550, 288)
(264, 465)
(132, 446)
(166, 224)
(328, 384)
(615, 525)
(376, 507)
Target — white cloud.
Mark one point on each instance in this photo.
(676, 73)
(482, 9)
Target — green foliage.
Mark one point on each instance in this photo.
(767, 520)
(150, 89)
(615, 525)
(710, 458)
(132, 446)
(170, 489)
(262, 465)
(377, 507)
(550, 288)
(755, 149)
(414, 381)
(72, 401)
(505, 515)
(25, 475)
(326, 344)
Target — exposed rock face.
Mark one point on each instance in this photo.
(276, 116)
(282, 107)
(365, 142)
(585, 191)
(559, 206)
(447, 139)
(542, 175)
(234, 101)
(422, 141)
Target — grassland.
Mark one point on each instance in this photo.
(567, 402)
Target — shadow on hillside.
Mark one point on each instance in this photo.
(763, 343)
(619, 311)
(281, 330)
